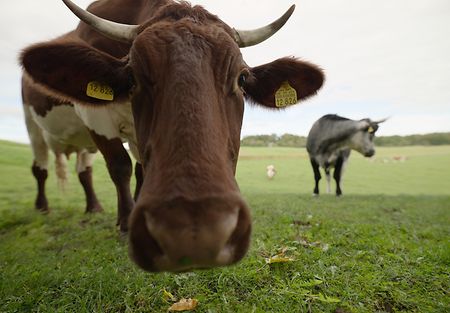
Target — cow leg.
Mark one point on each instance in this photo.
(138, 173)
(84, 170)
(119, 167)
(338, 174)
(317, 176)
(41, 175)
(328, 177)
(40, 162)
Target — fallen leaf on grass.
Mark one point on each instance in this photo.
(184, 305)
(167, 296)
(279, 258)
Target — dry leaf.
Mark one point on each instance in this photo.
(279, 258)
(184, 305)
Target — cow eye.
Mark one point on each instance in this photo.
(242, 79)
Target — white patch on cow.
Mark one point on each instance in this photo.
(38, 145)
(84, 160)
(63, 130)
(61, 170)
(328, 176)
(134, 150)
(114, 120)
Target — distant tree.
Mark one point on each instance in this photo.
(260, 140)
(433, 139)
(289, 140)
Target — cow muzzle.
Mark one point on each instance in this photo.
(369, 153)
(180, 234)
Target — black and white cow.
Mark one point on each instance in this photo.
(330, 142)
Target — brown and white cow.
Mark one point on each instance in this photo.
(173, 86)
(52, 123)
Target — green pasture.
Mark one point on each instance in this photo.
(424, 171)
(382, 247)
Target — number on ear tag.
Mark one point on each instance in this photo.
(100, 91)
(285, 96)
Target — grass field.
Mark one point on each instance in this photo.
(383, 247)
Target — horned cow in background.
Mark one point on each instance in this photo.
(330, 142)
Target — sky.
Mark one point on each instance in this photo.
(381, 59)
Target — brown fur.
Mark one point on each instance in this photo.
(92, 203)
(42, 103)
(304, 77)
(41, 175)
(183, 71)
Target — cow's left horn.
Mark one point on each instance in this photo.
(247, 38)
(113, 30)
(381, 121)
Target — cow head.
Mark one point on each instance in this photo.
(187, 82)
(362, 140)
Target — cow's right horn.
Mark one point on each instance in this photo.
(113, 30)
(247, 38)
(381, 121)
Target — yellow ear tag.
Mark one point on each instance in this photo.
(100, 91)
(285, 96)
(371, 130)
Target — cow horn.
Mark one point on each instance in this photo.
(247, 38)
(113, 30)
(381, 121)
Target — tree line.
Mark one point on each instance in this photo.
(289, 140)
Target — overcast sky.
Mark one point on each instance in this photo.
(382, 58)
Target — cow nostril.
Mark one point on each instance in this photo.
(182, 235)
(143, 246)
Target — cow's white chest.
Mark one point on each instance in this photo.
(62, 128)
(114, 120)
(327, 158)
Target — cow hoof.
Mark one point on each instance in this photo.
(43, 210)
(123, 236)
(123, 228)
(94, 209)
(315, 195)
(41, 205)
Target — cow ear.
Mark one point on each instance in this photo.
(275, 84)
(77, 72)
